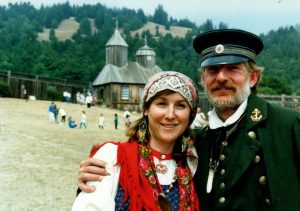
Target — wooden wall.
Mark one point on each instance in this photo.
(39, 85)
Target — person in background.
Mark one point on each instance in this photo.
(200, 120)
(249, 153)
(63, 114)
(78, 99)
(89, 100)
(153, 170)
(55, 112)
(25, 94)
(126, 118)
(65, 95)
(51, 110)
(83, 120)
(116, 121)
(101, 121)
(71, 123)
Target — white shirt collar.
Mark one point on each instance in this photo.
(215, 122)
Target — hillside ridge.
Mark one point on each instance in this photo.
(68, 27)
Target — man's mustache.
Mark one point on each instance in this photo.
(227, 85)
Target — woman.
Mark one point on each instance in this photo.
(154, 169)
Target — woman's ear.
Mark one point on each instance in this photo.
(145, 112)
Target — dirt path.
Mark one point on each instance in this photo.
(39, 160)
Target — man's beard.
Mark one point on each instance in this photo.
(231, 101)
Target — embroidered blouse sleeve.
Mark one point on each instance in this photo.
(104, 196)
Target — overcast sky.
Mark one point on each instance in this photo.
(258, 16)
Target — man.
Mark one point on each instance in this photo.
(249, 155)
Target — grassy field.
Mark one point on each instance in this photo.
(39, 160)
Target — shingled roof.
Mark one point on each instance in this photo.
(116, 40)
(145, 51)
(132, 73)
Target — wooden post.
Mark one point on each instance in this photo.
(282, 100)
(37, 94)
(8, 77)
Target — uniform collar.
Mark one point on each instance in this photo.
(215, 122)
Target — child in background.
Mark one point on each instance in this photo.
(101, 121)
(83, 120)
(71, 123)
(116, 121)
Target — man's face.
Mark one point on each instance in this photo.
(227, 86)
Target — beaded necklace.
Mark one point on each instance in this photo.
(162, 169)
(182, 175)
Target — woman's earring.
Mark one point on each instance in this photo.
(141, 133)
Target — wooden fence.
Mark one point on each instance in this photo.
(39, 86)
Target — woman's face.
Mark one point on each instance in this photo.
(168, 116)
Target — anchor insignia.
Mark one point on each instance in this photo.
(256, 115)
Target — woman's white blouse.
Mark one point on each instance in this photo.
(104, 196)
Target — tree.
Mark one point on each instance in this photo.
(160, 16)
(276, 84)
(85, 26)
(4, 89)
(141, 15)
(52, 36)
(83, 56)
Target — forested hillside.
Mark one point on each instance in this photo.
(82, 55)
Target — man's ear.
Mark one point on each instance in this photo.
(254, 77)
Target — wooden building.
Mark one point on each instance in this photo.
(120, 84)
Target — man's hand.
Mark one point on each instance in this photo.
(91, 169)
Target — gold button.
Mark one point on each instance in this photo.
(252, 135)
(222, 185)
(267, 201)
(257, 159)
(222, 157)
(222, 200)
(222, 172)
(262, 180)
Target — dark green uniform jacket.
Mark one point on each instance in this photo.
(259, 168)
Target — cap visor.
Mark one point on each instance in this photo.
(225, 59)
